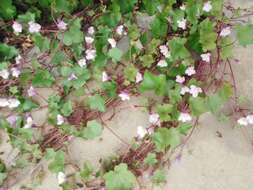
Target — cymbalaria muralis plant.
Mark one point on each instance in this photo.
(179, 50)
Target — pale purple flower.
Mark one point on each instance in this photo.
(112, 42)
(162, 63)
(29, 122)
(72, 77)
(60, 119)
(18, 59)
(4, 74)
(138, 77)
(141, 132)
(105, 77)
(31, 91)
(190, 71)
(124, 96)
(61, 25)
(182, 7)
(89, 40)
(180, 79)
(206, 57)
(61, 177)
(225, 31)
(165, 51)
(194, 91)
(12, 120)
(13, 103)
(154, 119)
(207, 6)
(17, 27)
(90, 54)
(15, 72)
(243, 121)
(4, 102)
(34, 27)
(120, 30)
(250, 119)
(82, 62)
(184, 90)
(184, 117)
(91, 30)
(182, 23)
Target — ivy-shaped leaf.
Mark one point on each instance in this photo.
(43, 78)
(92, 130)
(244, 34)
(97, 102)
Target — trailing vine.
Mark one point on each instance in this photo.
(104, 53)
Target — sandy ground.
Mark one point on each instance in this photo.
(209, 161)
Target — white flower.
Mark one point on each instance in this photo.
(162, 63)
(112, 42)
(120, 29)
(91, 30)
(90, 54)
(13, 103)
(124, 96)
(60, 119)
(182, 23)
(194, 91)
(154, 119)
(29, 122)
(82, 62)
(17, 27)
(183, 7)
(207, 6)
(190, 71)
(61, 25)
(206, 57)
(225, 31)
(180, 79)
(243, 121)
(18, 59)
(250, 119)
(15, 72)
(184, 90)
(72, 77)
(89, 40)
(4, 74)
(4, 102)
(105, 77)
(141, 132)
(31, 91)
(184, 117)
(61, 177)
(138, 77)
(34, 27)
(164, 50)
(12, 119)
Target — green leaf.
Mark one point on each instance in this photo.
(67, 108)
(153, 82)
(130, 73)
(27, 17)
(43, 43)
(159, 177)
(43, 78)
(57, 165)
(183, 128)
(147, 60)
(115, 54)
(28, 105)
(119, 179)
(7, 10)
(164, 111)
(86, 172)
(97, 102)
(126, 5)
(208, 35)
(163, 138)
(92, 130)
(150, 159)
(198, 106)
(244, 34)
(178, 50)
(7, 52)
(3, 176)
(159, 27)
